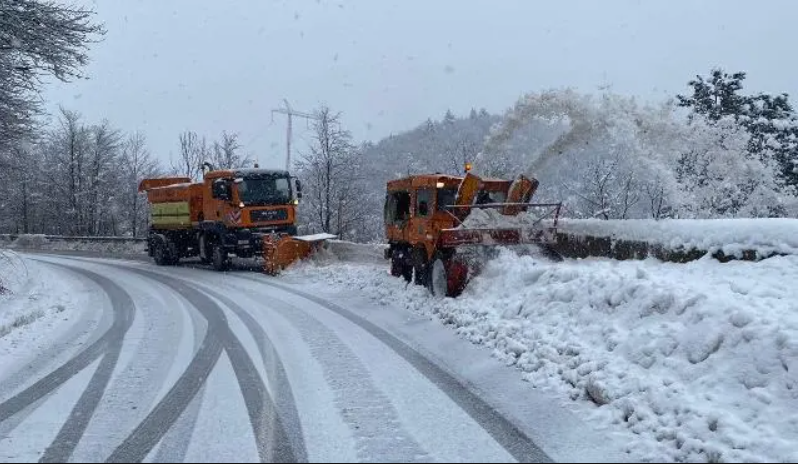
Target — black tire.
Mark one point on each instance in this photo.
(397, 265)
(220, 259)
(447, 275)
(438, 282)
(407, 272)
(173, 257)
(204, 244)
(420, 267)
(400, 265)
(160, 253)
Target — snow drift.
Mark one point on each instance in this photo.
(693, 362)
(732, 236)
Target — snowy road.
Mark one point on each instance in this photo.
(184, 364)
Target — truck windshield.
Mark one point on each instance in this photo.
(446, 197)
(265, 191)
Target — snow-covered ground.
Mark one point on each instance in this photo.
(40, 242)
(732, 236)
(766, 236)
(40, 304)
(692, 362)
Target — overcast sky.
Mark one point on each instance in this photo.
(167, 66)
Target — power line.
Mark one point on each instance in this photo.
(290, 112)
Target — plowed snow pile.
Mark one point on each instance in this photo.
(692, 362)
(37, 305)
(732, 236)
(489, 218)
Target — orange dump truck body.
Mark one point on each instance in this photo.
(175, 205)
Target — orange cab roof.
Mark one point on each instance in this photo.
(430, 179)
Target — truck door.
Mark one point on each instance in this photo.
(422, 214)
(222, 193)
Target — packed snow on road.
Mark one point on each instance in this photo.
(692, 362)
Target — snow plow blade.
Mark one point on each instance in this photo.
(279, 252)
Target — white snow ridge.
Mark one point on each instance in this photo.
(692, 362)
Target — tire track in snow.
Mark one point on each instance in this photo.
(370, 415)
(272, 440)
(159, 345)
(152, 429)
(110, 345)
(285, 402)
(173, 447)
(507, 434)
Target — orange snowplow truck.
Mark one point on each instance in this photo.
(242, 212)
(428, 240)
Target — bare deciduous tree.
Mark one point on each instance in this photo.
(331, 173)
(105, 145)
(38, 38)
(136, 164)
(193, 152)
(226, 153)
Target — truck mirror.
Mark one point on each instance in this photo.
(298, 189)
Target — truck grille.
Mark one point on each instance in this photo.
(265, 215)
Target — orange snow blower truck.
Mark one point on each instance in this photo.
(430, 239)
(242, 212)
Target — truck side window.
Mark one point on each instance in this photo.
(221, 189)
(423, 200)
(397, 207)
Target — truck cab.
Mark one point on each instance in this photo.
(260, 199)
(242, 205)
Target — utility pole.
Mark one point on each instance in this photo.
(290, 112)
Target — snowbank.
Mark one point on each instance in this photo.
(732, 236)
(336, 251)
(13, 275)
(485, 218)
(38, 304)
(693, 362)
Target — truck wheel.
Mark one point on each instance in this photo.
(397, 266)
(205, 257)
(172, 256)
(420, 267)
(407, 272)
(159, 253)
(220, 260)
(400, 266)
(447, 276)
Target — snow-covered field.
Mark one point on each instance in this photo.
(692, 362)
(39, 304)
